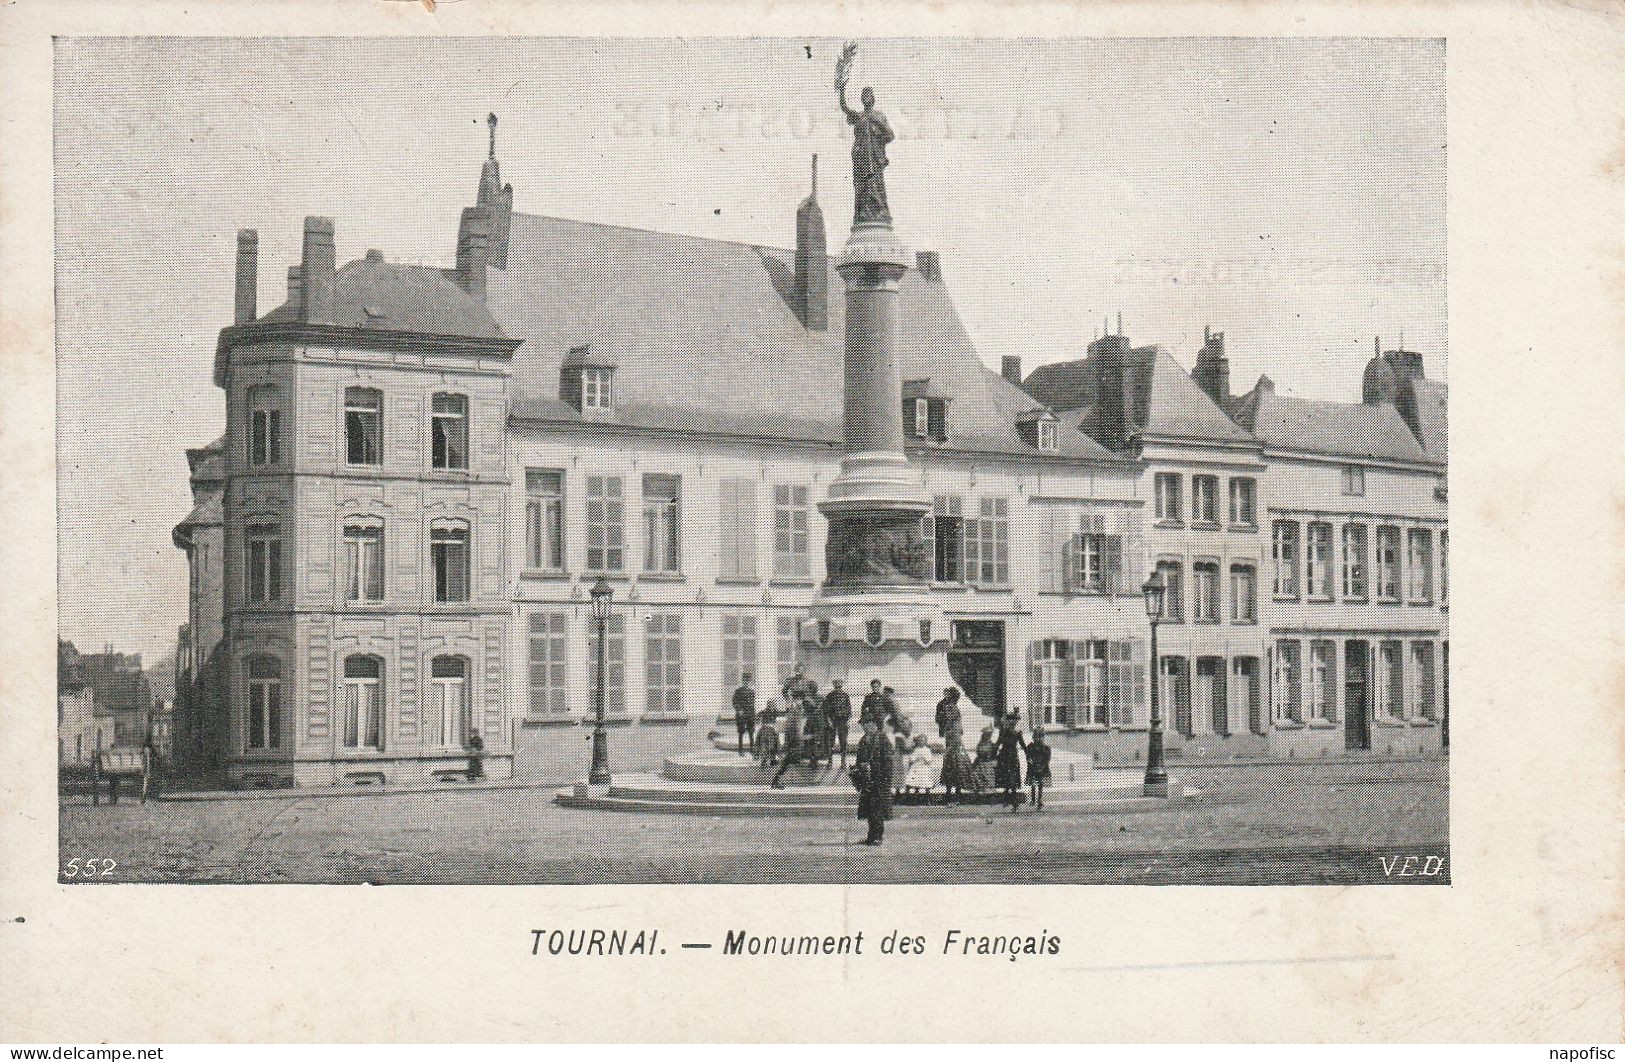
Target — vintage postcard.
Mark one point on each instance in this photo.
(829, 455)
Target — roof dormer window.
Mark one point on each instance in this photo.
(1046, 436)
(922, 418)
(597, 391)
(1037, 429)
(587, 381)
(925, 410)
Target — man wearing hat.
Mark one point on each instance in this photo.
(744, 704)
(838, 710)
(873, 776)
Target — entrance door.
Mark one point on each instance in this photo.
(976, 664)
(1356, 695)
(1211, 707)
(1245, 702)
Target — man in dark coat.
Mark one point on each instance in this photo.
(949, 715)
(838, 710)
(745, 714)
(476, 749)
(1037, 767)
(874, 781)
(874, 705)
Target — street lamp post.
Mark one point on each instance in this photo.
(1156, 774)
(599, 774)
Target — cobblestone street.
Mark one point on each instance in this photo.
(1260, 824)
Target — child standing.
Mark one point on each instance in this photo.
(1037, 767)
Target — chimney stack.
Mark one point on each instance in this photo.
(473, 250)
(248, 274)
(317, 270)
(929, 264)
(1212, 372)
(1012, 368)
(296, 289)
(812, 261)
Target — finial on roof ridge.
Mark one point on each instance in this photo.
(491, 120)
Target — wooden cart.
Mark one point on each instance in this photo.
(116, 763)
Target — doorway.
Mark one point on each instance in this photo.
(1357, 696)
(976, 663)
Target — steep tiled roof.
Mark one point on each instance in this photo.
(1166, 401)
(1341, 429)
(1433, 414)
(381, 296)
(705, 339)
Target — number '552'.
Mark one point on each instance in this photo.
(88, 868)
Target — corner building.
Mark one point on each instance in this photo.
(426, 469)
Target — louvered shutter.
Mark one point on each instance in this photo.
(728, 541)
(744, 520)
(1221, 699)
(1050, 559)
(928, 532)
(1113, 576)
(1329, 691)
(1139, 664)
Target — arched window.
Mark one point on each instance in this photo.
(363, 702)
(448, 676)
(363, 426)
(264, 702)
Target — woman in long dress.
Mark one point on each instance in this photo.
(922, 767)
(957, 775)
(1010, 747)
(987, 756)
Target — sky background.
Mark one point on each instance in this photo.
(1288, 192)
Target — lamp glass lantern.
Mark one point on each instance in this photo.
(600, 594)
(1155, 589)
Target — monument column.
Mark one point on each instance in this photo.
(873, 617)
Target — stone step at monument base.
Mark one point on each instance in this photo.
(1104, 791)
(725, 766)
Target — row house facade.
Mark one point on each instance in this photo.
(425, 470)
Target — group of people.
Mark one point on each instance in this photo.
(889, 757)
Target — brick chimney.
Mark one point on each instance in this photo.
(929, 264)
(1011, 368)
(318, 271)
(1212, 372)
(248, 274)
(812, 261)
(473, 250)
(1114, 380)
(296, 289)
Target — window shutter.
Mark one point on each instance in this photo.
(1139, 663)
(1267, 681)
(936, 418)
(728, 547)
(1051, 562)
(1078, 703)
(744, 517)
(1329, 693)
(928, 531)
(1113, 575)
(1034, 678)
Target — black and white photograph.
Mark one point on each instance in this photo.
(882, 461)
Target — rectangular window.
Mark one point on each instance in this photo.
(791, 518)
(1046, 435)
(614, 665)
(449, 432)
(1089, 683)
(1323, 680)
(1353, 480)
(1167, 497)
(1205, 499)
(448, 555)
(265, 437)
(1243, 594)
(1173, 601)
(1055, 681)
(363, 426)
(1086, 563)
(1244, 502)
(987, 544)
(1419, 680)
(549, 692)
(1444, 567)
(1206, 600)
(738, 649)
(1126, 683)
(1419, 564)
(784, 648)
(1286, 686)
(596, 392)
(264, 563)
(364, 563)
(948, 538)
(1318, 561)
(1285, 552)
(921, 418)
(663, 663)
(448, 693)
(363, 703)
(662, 542)
(606, 524)
(1354, 562)
(1390, 684)
(544, 519)
(1388, 564)
(264, 703)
